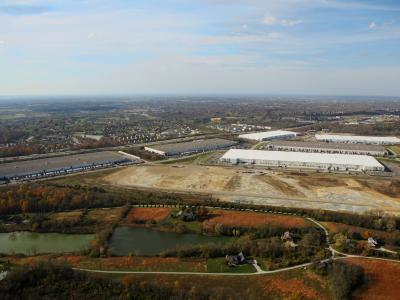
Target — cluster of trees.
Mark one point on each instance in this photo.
(262, 242)
(30, 198)
(100, 245)
(48, 281)
(25, 149)
(343, 278)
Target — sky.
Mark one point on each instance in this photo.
(288, 47)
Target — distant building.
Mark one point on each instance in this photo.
(300, 160)
(190, 147)
(269, 135)
(358, 139)
(322, 147)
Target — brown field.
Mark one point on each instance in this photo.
(119, 263)
(294, 285)
(105, 215)
(382, 279)
(357, 193)
(251, 219)
(68, 216)
(147, 214)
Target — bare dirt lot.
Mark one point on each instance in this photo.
(356, 193)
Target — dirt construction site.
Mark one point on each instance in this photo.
(356, 193)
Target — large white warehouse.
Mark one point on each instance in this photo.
(358, 139)
(319, 161)
(268, 135)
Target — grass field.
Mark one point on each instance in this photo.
(105, 215)
(218, 265)
(198, 159)
(68, 216)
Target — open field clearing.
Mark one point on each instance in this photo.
(142, 214)
(67, 216)
(364, 232)
(356, 193)
(124, 263)
(299, 284)
(382, 279)
(104, 215)
(250, 219)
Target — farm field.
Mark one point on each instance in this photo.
(382, 279)
(357, 193)
(251, 219)
(104, 215)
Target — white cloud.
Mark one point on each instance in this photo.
(291, 22)
(372, 25)
(271, 20)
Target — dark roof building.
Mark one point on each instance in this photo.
(190, 147)
(46, 167)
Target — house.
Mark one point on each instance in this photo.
(287, 238)
(234, 260)
(372, 242)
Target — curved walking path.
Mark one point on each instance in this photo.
(259, 271)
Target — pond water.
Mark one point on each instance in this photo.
(34, 243)
(145, 241)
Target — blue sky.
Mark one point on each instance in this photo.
(200, 46)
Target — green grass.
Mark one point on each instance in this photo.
(217, 265)
(201, 158)
(390, 160)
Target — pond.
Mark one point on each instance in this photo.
(34, 243)
(145, 241)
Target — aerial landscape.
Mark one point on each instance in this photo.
(199, 149)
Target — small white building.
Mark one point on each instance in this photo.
(358, 139)
(269, 135)
(302, 160)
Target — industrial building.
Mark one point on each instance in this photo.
(62, 165)
(190, 147)
(358, 139)
(321, 147)
(301, 160)
(269, 135)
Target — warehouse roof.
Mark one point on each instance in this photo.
(324, 145)
(266, 134)
(192, 145)
(60, 162)
(319, 158)
(358, 138)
